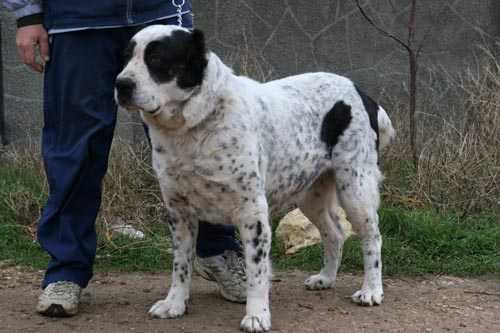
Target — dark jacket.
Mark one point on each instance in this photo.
(74, 14)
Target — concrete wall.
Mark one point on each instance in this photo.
(271, 39)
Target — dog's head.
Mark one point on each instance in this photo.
(164, 66)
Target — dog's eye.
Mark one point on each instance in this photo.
(155, 60)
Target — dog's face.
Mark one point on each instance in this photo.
(164, 65)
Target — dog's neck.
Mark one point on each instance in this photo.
(202, 102)
(200, 105)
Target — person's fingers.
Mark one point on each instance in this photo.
(32, 60)
(26, 50)
(44, 47)
(28, 55)
(30, 40)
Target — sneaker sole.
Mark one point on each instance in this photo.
(57, 310)
(230, 298)
(209, 277)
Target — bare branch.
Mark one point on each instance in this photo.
(412, 24)
(413, 62)
(379, 29)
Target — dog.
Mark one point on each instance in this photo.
(228, 149)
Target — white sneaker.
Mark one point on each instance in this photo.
(59, 299)
(228, 271)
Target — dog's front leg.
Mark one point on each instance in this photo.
(184, 235)
(253, 224)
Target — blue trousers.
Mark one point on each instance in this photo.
(79, 121)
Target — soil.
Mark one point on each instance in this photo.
(118, 302)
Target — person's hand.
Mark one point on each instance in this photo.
(29, 40)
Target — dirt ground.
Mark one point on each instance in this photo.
(119, 303)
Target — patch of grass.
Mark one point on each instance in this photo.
(131, 195)
(17, 247)
(116, 254)
(22, 194)
(416, 242)
(123, 254)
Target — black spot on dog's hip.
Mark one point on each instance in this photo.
(334, 124)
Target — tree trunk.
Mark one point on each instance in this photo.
(413, 107)
(3, 138)
(412, 27)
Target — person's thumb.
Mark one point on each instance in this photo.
(44, 47)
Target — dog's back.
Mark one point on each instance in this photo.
(302, 120)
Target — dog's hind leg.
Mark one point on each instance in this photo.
(358, 191)
(320, 206)
(252, 220)
(184, 234)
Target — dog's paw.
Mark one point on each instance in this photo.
(256, 323)
(368, 297)
(167, 309)
(318, 282)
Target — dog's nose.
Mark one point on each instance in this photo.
(124, 89)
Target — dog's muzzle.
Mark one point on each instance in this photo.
(124, 91)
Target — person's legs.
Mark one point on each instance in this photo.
(215, 239)
(80, 116)
(219, 258)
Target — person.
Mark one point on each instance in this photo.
(78, 45)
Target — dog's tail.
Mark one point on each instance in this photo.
(386, 131)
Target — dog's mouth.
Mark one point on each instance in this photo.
(135, 108)
(154, 112)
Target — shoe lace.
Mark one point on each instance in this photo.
(236, 264)
(63, 288)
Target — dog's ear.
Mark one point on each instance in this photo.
(198, 41)
(196, 61)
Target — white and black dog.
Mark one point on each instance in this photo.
(228, 149)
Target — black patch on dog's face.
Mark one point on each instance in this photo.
(129, 52)
(181, 55)
(371, 107)
(334, 124)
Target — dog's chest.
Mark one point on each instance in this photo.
(206, 188)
